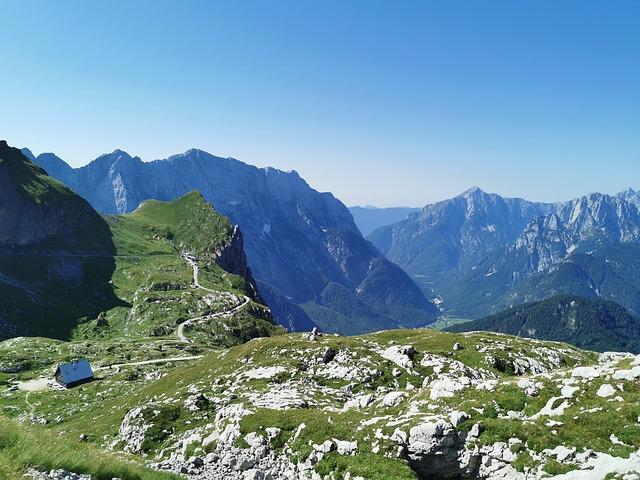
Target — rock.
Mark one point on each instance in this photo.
(211, 458)
(83, 437)
(568, 391)
(550, 411)
(361, 401)
(313, 335)
(400, 355)
(529, 386)
(400, 436)
(427, 438)
(392, 399)
(562, 453)
(586, 372)
(606, 390)
(245, 463)
(196, 462)
(629, 375)
(328, 355)
(132, 430)
(253, 474)
(456, 418)
(457, 346)
(345, 447)
(213, 437)
(272, 432)
(446, 387)
(325, 447)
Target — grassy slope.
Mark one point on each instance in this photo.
(22, 447)
(97, 409)
(155, 284)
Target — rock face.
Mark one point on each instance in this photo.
(301, 243)
(231, 258)
(481, 253)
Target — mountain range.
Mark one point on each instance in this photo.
(68, 272)
(479, 253)
(310, 260)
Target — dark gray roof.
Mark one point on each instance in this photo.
(76, 371)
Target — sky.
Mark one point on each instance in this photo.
(382, 103)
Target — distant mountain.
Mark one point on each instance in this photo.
(370, 218)
(631, 196)
(480, 253)
(592, 324)
(588, 247)
(298, 241)
(457, 233)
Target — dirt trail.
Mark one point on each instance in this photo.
(196, 271)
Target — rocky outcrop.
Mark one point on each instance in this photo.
(232, 258)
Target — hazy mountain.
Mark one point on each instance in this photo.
(370, 218)
(481, 253)
(592, 324)
(298, 241)
(456, 233)
(589, 247)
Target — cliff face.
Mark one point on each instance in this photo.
(231, 258)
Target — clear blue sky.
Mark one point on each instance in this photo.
(387, 103)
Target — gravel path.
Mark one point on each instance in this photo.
(196, 283)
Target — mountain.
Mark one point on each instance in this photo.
(299, 242)
(589, 247)
(56, 252)
(631, 196)
(592, 324)
(370, 218)
(456, 233)
(480, 253)
(66, 271)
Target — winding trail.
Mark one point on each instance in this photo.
(196, 283)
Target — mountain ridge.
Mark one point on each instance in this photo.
(480, 253)
(298, 240)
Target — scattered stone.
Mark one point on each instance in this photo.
(606, 390)
(392, 399)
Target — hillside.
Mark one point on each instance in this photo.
(592, 324)
(56, 252)
(403, 404)
(298, 241)
(168, 267)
